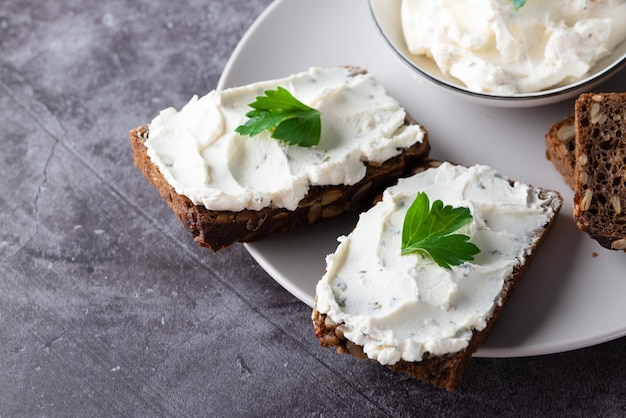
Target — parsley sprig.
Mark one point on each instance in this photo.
(288, 119)
(518, 3)
(430, 230)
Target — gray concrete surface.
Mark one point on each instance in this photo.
(108, 308)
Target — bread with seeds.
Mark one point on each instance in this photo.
(600, 167)
(226, 187)
(560, 148)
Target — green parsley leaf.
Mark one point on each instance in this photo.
(430, 230)
(518, 3)
(288, 119)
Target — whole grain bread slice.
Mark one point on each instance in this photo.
(445, 371)
(219, 229)
(600, 175)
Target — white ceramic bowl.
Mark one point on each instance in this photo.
(386, 15)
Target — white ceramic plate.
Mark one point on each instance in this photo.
(572, 295)
(387, 17)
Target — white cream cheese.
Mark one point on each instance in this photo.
(203, 158)
(402, 306)
(491, 47)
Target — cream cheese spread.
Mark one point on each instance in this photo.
(402, 306)
(202, 157)
(491, 47)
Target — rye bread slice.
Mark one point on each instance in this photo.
(600, 180)
(219, 229)
(445, 371)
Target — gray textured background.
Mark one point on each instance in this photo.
(108, 308)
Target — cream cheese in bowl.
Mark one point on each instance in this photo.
(543, 52)
(491, 47)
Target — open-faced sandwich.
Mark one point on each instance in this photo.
(420, 281)
(239, 164)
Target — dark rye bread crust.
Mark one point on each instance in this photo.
(600, 186)
(560, 148)
(219, 229)
(445, 371)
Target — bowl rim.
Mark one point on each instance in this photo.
(561, 91)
